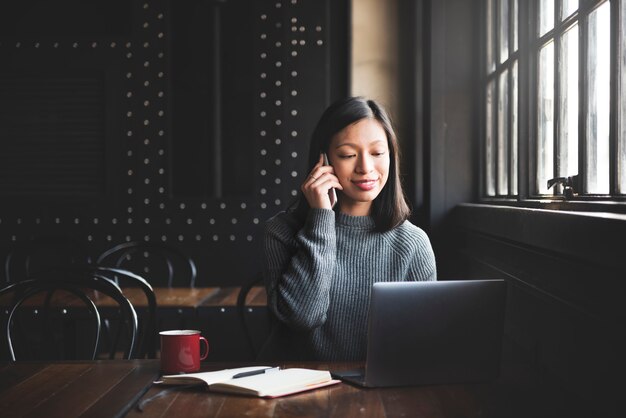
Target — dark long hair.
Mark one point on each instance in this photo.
(390, 207)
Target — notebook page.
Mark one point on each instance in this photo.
(276, 383)
(208, 377)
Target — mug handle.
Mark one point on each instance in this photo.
(206, 348)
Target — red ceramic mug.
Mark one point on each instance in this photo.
(180, 351)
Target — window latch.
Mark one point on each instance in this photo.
(571, 185)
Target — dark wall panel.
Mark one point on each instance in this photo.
(55, 131)
(200, 144)
(565, 305)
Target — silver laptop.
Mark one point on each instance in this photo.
(439, 332)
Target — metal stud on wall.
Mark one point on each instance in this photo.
(291, 64)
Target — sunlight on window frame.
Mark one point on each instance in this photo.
(503, 134)
(545, 118)
(546, 16)
(621, 113)
(490, 172)
(598, 92)
(568, 107)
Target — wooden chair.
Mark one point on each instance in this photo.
(50, 318)
(161, 264)
(126, 280)
(148, 331)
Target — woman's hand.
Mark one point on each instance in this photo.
(317, 185)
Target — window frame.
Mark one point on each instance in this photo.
(527, 57)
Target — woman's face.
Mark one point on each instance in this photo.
(359, 155)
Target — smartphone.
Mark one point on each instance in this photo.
(332, 194)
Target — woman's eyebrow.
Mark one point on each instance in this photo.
(352, 144)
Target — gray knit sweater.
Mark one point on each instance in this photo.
(319, 275)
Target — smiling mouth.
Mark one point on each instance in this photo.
(365, 184)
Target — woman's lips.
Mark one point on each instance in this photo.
(365, 185)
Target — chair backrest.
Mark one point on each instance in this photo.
(148, 330)
(41, 254)
(160, 264)
(44, 320)
(127, 281)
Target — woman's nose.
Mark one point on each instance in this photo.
(364, 164)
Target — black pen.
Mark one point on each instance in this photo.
(255, 372)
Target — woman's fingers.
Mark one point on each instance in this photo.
(318, 184)
(319, 169)
(317, 173)
(316, 189)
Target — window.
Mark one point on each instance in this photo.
(502, 66)
(566, 71)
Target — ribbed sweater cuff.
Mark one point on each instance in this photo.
(320, 222)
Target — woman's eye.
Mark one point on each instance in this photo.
(378, 153)
(346, 156)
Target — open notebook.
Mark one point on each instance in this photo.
(432, 333)
(262, 381)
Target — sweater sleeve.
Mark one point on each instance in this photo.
(298, 267)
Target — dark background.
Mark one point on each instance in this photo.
(187, 122)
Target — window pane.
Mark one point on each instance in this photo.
(490, 174)
(546, 16)
(621, 143)
(514, 127)
(569, 7)
(597, 140)
(545, 118)
(503, 130)
(515, 26)
(568, 126)
(491, 65)
(503, 25)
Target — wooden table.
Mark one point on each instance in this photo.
(179, 298)
(166, 297)
(71, 389)
(226, 297)
(112, 388)
(516, 394)
(176, 306)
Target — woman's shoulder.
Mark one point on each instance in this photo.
(283, 221)
(407, 228)
(283, 217)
